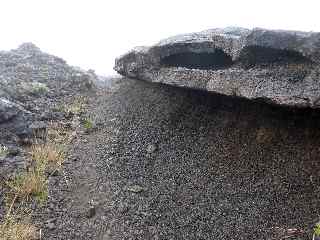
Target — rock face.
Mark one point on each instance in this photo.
(281, 67)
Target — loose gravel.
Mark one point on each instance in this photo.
(170, 163)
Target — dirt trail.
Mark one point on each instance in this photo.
(168, 163)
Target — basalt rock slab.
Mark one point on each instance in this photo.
(277, 66)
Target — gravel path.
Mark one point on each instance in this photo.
(168, 163)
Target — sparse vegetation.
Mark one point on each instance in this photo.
(75, 108)
(59, 135)
(46, 158)
(87, 124)
(18, 228)
(35, 88)
(27, 185)
(317, 230)
(28, 134)
(48, 155)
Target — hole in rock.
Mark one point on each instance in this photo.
(255, 55)
(202, 60)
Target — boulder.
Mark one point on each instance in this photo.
(16, 119)
(277, 66)
(8, 110)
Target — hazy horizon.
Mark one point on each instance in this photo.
(91, 34)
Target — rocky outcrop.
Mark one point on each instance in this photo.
(31, 81)
(33, 84)
(282, 67)
(27, 72)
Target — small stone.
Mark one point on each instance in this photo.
(51, 220)
(50, 115)
(13, 151)
(123, 208)
(91, 212)
(151, 148)
(50, 223)
(8, 110)
(106, 235)
(38, 128)
(135, 189)
(73, 135)
(38, 125)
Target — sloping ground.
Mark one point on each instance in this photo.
(36, 90)
(33, 84)
(169, 163)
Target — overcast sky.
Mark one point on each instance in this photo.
(91, 33)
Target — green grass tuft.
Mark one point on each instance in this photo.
(87, 123)
(317, 230)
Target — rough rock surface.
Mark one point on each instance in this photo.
(32, 83)
(276, 66)
(27, 73)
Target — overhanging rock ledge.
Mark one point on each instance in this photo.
(282, 67)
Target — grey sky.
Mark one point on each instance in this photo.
(91, 33)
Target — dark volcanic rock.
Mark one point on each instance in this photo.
(8, 110)
(33, 85)
(276, 66)
(30, 82)
(15, 118)
(26, 73)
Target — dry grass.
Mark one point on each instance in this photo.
(27, 185)
(76, 107)
(48, 155)
(18, 228)
(32, 184)
(60, 135)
